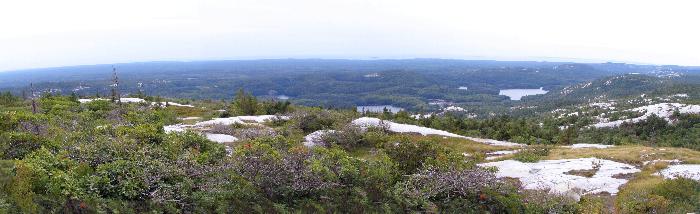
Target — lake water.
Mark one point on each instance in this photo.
(378, 109)
(517, 94)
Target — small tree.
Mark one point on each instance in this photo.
(245, 103)
(275, 107)
(73, 97)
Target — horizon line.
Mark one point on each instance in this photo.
(475, 58)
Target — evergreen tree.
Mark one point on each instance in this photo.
(245, 103)
(73, 97)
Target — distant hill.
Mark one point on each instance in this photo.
(409, 83)
(95, 72)
(621, 86)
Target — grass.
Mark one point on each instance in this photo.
(635, 155)
(188, 111)
(583, 172)
(458, 145)
(473, 148)
(364, 153)
(532, 154)
(462, 145)
(633, 195)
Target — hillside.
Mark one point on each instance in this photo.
(153, 155)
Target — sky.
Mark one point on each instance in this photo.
(46, 33)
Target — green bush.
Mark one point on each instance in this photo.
(682, 194)
(120, 179)
(532, 153)
(15, 145)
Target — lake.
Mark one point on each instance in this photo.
(378, 109)
(517, 94)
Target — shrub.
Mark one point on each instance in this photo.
(593, 205)
(15, 145)
(411, 156)
(120, 179)
(278, 172)
(275, 107)
(349, 137)
(682, 194)
(532, 153)
(244, 103)
(145, 133)
(454, 190)
(539, 201)
(311, 121)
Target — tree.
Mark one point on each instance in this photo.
(34, 107)
(275, 107)
(245, 103)
(73, 97)
(116, 97)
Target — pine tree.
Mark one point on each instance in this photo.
(73, 97)
(244, 103)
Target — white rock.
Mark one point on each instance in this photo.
(136, 100)
(220, 138)
(132, 100)
(507, 152)
(663, 110)
(241, 120)
(454, 108)
(494, 142)
(223, 121)
(421, 116)
(690, 171)
(674, 161)
(176, 128)
(499, 154)
(365, 122)
(550, 174)
(172, 104)
(315, 138)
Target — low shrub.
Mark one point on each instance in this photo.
(532, 153)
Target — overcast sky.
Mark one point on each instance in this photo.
(42, 33)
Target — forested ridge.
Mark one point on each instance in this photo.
(410, 83)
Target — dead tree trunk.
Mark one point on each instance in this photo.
(116, 97)
(31, 88)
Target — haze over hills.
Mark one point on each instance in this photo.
(89, 72)
(408, 83)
